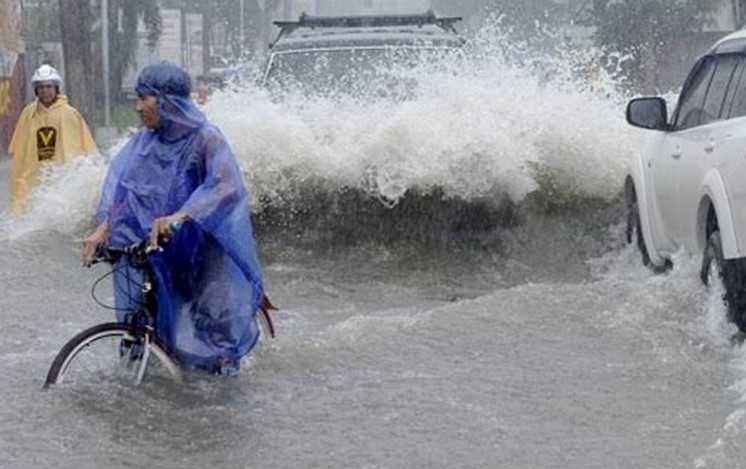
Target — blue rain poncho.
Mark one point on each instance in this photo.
(209, 279)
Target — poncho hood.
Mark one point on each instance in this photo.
(164, 78)
(60, 102)
(171, 85)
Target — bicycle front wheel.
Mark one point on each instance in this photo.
(111, 351)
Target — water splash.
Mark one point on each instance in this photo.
(64, 201)
(500, 121)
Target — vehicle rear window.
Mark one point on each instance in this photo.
(738, 105)
(361, 70)
(726, 66)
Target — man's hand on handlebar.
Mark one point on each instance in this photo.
(163, 228)
(99, 236)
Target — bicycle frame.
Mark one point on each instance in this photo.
(143, 319)
(136, 336)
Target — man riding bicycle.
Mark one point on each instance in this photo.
(180, 170)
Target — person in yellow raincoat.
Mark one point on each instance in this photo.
(48, 130)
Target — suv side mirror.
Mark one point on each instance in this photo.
(648, 113)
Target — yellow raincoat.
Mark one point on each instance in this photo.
(54, 134)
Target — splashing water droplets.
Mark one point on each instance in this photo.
(499, 119)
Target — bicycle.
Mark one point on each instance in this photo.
(129, 350)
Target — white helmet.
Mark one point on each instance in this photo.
(46, 73)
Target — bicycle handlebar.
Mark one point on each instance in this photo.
(138, 251)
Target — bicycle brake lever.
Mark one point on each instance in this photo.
(176, 225)
(153, 248)
(101, 254)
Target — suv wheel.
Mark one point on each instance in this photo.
(726, 276)
(634, 232)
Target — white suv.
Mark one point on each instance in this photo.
(688, 185)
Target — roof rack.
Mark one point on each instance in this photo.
(304, 20)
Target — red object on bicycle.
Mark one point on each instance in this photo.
(266, 306)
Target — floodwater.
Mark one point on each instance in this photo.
(476, 336)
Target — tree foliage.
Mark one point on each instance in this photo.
(124, 17)
(80, 25)
(629, 25)
(644, 29)
(516, 12)
(42, 23)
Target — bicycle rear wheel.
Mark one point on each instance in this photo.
(111, 351)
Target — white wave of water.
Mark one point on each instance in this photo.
(480, 126)
(64, 201)
(490, 123)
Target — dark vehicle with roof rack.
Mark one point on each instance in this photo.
(357, 54)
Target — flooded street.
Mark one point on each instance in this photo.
(454, 289)
(619, 370)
